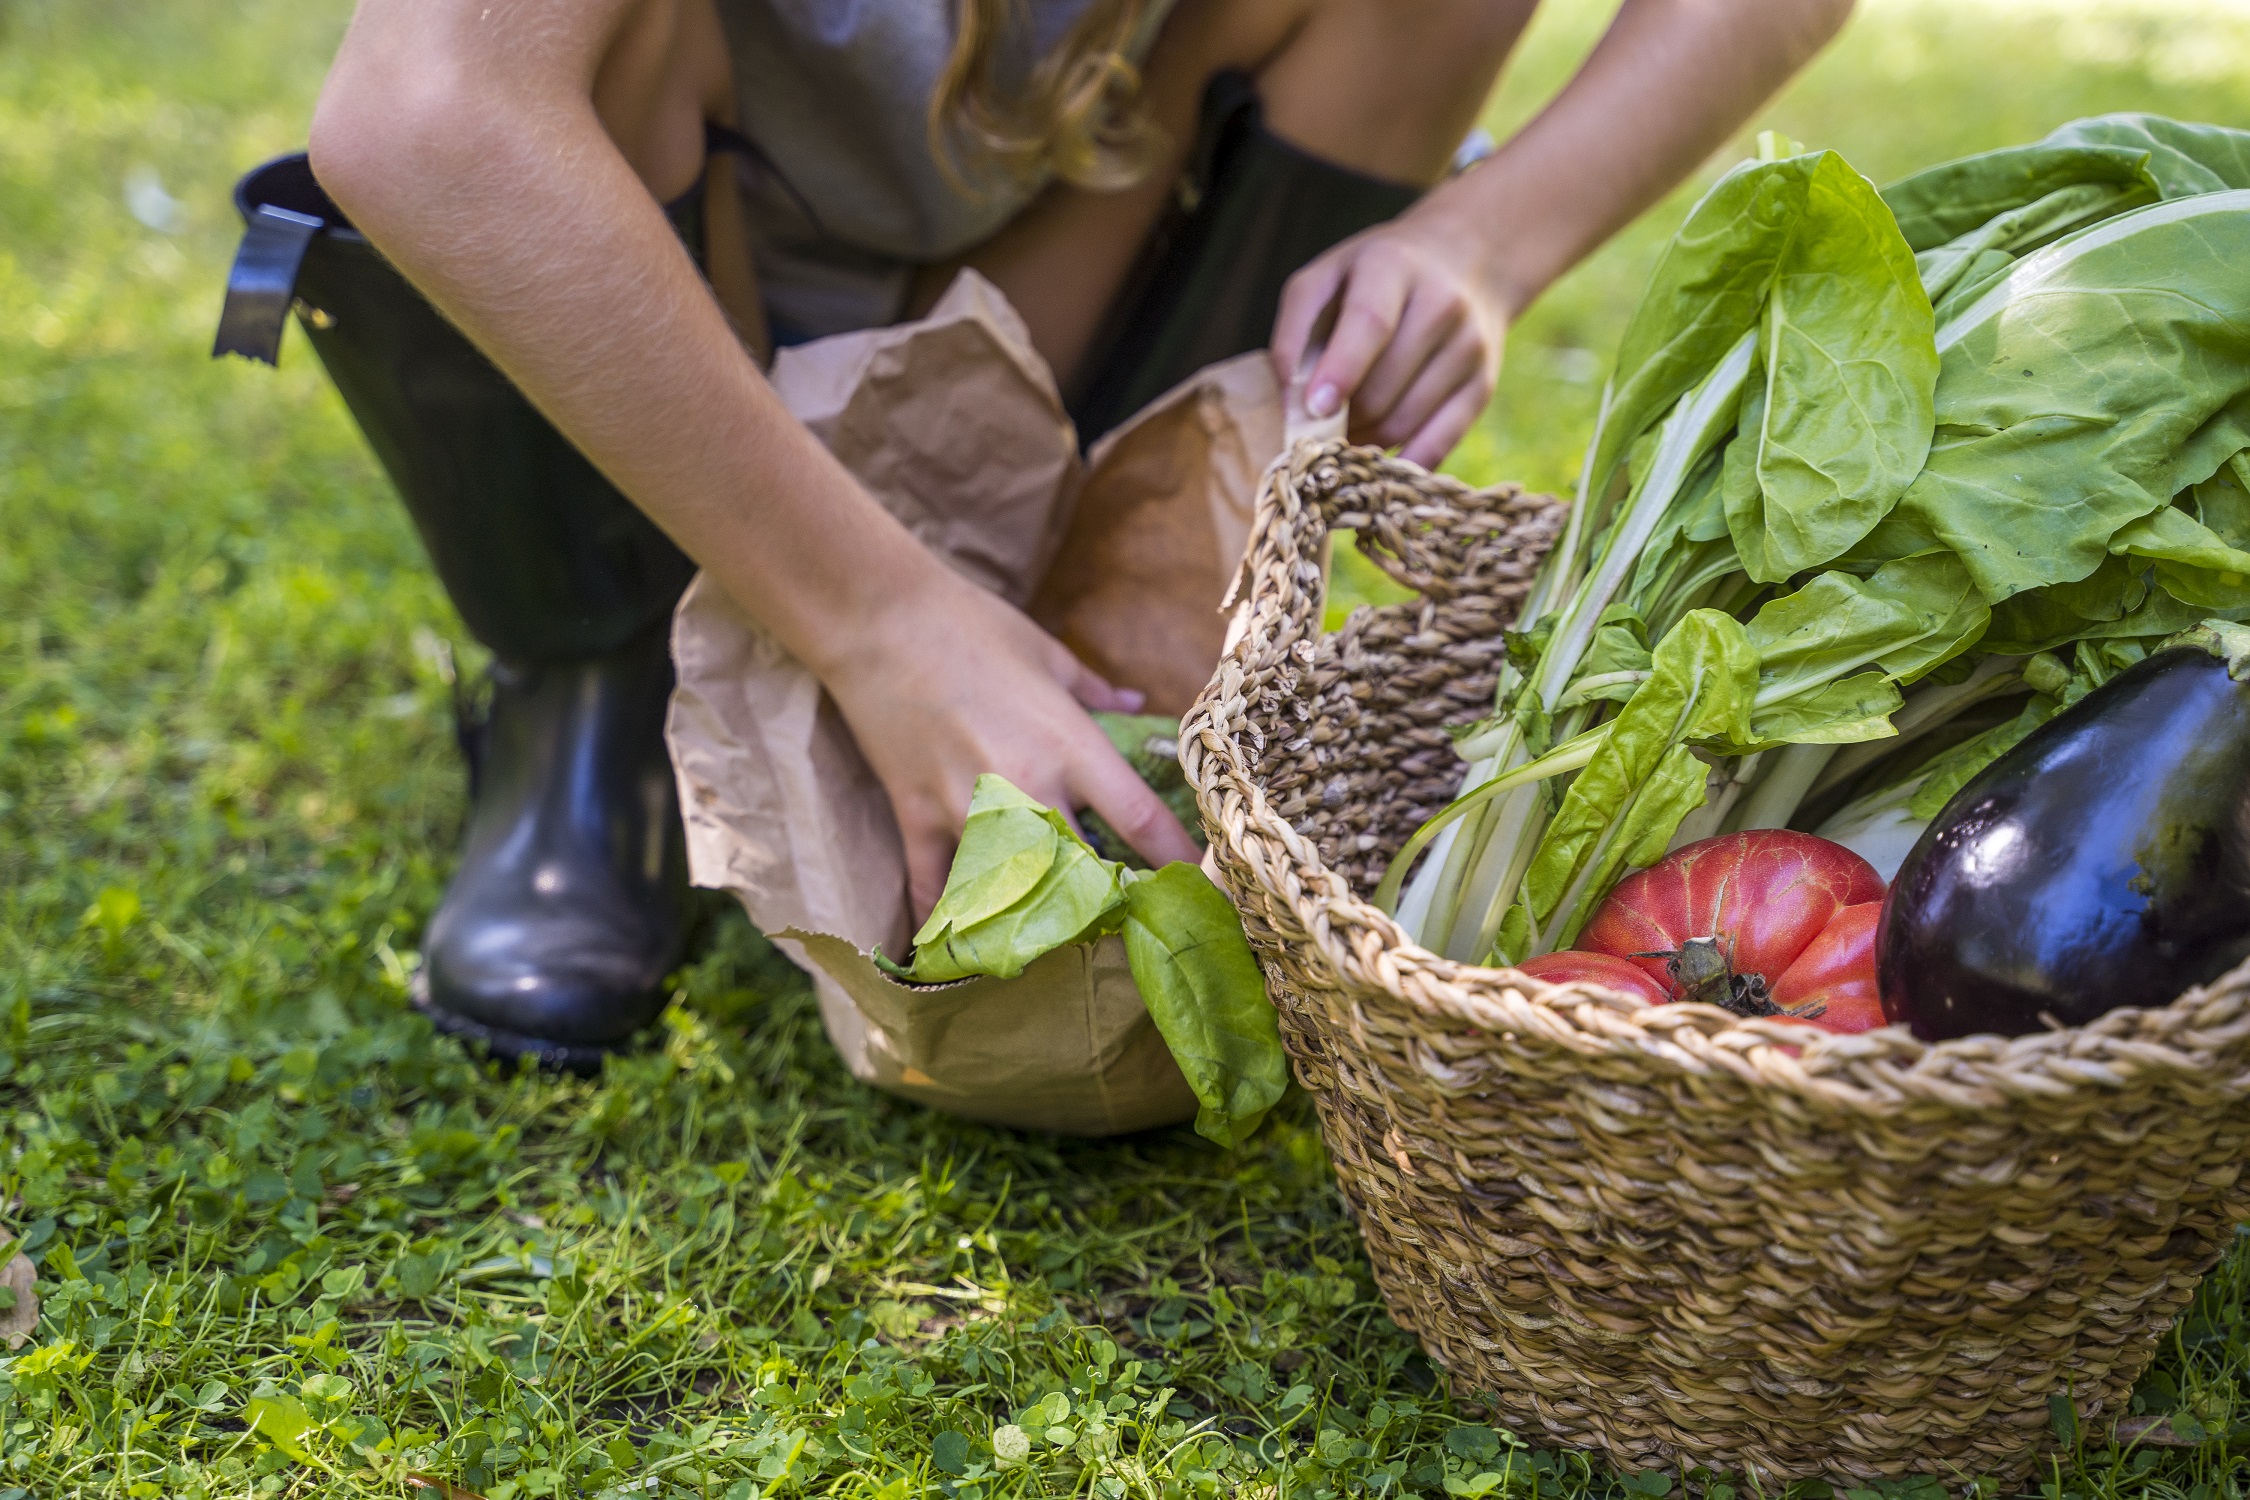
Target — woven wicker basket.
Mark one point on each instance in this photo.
(1662, 1231)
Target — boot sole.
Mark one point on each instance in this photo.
(581, 1058)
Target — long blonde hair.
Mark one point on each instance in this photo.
(1078, 115)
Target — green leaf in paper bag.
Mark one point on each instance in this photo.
(1022, 885)
(1203, 989)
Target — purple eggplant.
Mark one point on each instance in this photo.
(2103, 862)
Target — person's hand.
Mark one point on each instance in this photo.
(1418, 330)
(953, 683)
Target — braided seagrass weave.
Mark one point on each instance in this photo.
(1660, 1230)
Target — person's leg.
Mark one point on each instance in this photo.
(1383, 90)
(566, 910)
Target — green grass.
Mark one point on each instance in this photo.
(289, 1243)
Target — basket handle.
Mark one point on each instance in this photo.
(1429, 533)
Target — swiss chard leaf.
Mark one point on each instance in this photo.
(1907, 618)
(2183, 159)
(1972, 281)
(1848, 365)
(1843, 712)
(2090, 384)
(2020, 231)
(1944, 202)
(1022, 885)
(1704, 295)
(2118, 601)
(2222, 503)
(2194, 564)
(1206, 995)
(1641, 780)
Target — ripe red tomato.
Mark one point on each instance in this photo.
(1837, 969)
(1611, 973)
(1744, 920)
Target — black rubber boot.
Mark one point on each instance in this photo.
(1253, 210)
(567, 909)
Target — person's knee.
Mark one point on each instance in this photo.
(1389, 87)
(1429, 32)
(665, 72)
(1816, 23)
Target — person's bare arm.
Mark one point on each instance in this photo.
(463, 138)
(1427, 299)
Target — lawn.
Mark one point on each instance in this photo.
(290, 1243)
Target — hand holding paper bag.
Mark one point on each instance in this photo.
(955, 426)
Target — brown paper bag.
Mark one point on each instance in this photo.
(954, 424)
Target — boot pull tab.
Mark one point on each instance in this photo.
(263, 283)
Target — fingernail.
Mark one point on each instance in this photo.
(1132, 698)
(1324, 400)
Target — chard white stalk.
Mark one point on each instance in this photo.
(1927, 708)
(1497, 748)
(1730, 777)
(1790, 774)
(1880, 829)
(1458, 899)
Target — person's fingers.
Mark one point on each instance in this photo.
(1104, 782)
(1374, 299)
(1305, 297)
(1443, 431)
(929, 858)
(1433, 318)
(1459, 362)
(1092, 690)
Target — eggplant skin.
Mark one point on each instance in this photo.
(2103, 862)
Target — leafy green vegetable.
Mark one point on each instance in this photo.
(1942, 203)
(1706, 293)
(1854, 501)
(2183, 158)
(2093, 382)
(1842, 422)
(1641, 781)
(1024, 884)
(2138, 158)
(1204, 992)
(2193, 563)
(1907, 618)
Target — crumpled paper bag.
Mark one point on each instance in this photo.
(954, 424)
